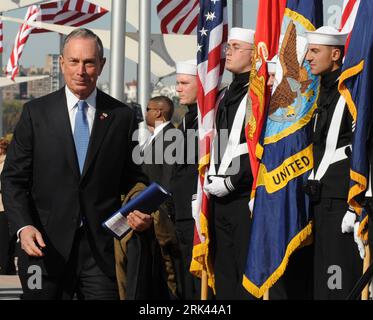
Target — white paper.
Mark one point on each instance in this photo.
(118, 224)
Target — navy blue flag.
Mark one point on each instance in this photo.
(356, 86)
(281, 217)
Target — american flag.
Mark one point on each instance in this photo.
(21, 38)
(1, 34)
(212, 37)
(178, 16)
(68, 12)
(349, 13)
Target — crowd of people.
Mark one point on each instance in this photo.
(71, 161)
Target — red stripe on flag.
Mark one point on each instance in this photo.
(50, 5)
(209, 101)
(91, 8)
(214, 58)
(178, 24)
(47, 17)
(79, 5)
(167, 19)
(347, 11)
(178, 16)
(20, 40)
(65, 6)
(88, 20)
(163, 4)
(70, 18)
(192, 26)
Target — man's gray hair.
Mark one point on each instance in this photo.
(85, 34)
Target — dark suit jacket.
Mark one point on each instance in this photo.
(42, 185)
(185, 172)
(146, 255)
(155, 164)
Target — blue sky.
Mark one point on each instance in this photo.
(41, 44)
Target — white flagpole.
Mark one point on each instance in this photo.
(117, 36)
(237, 18)
(61, 79)
(237, 10)
(144, 63)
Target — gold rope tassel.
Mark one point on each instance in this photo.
(266, 295)
(365, 293)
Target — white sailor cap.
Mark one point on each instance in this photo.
(327, 36)
(187, 67)
(271, 64)
(245, 35)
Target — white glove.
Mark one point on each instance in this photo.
(195, 209)
(358, 241)
(348, 222)
(217, 187)
(251, 205)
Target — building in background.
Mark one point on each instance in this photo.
(36, 88)
(130, 91)
(52, 67)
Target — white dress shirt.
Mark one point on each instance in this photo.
(72, 107)
(157, 130)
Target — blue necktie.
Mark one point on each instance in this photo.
(81, 133)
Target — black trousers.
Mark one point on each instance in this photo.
(337, 264)
(7, 247)
(297, 281)
(81, 277)
(190, 285)
(146, 274)
(369, 209)
(231, 231)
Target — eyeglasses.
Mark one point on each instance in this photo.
(235, 48)
(148, 109)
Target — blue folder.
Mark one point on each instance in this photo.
(147, 201)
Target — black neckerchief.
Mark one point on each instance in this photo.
(328, 93)
(233, 96)
(190, 117)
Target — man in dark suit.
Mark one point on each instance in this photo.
(145, 268)
(67, 166)
(158, 117)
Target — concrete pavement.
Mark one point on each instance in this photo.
(10, 288)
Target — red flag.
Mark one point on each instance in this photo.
(269, 19)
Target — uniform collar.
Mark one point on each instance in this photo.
(329, 80)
